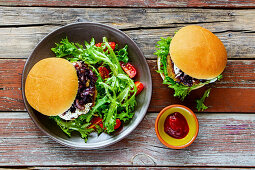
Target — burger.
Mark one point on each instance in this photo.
(193, 58)
(54, 86)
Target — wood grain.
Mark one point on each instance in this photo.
(223, 140)
(21, 28)
(234, 93)
(134, 3)
(128, 167)
(123, 167)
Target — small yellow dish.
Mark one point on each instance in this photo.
(173, 142)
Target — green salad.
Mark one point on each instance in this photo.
(106, 97)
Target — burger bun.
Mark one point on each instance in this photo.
(51, 86)
(198, 52)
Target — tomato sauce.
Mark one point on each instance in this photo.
(176, 125)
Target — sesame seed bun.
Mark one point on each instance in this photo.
(198, 52)
(51, 86)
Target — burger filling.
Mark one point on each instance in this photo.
(86, 92)
(185, 79)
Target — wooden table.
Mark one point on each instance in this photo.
(227, 129)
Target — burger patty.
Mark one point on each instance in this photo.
(86, 92)
(179, 76)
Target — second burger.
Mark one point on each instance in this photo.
(193, 58)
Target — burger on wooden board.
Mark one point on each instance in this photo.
(191, 59)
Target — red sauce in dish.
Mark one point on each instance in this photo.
(176, 125)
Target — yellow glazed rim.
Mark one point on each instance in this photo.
(168, 140)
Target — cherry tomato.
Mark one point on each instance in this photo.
(139, 87)
(96, 121)
(101, 124)
(129, 69)
(99, 121)
(104, 72)
(118, 123)
(112, 44)
(98, 44)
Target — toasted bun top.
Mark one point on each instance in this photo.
(51, 86)
(198, 52)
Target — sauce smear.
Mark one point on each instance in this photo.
(176, 125)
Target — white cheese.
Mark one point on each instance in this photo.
(70, 116)
(178, 71)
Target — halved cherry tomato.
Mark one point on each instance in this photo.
(139, 87)
(118, 123)
(98, 44)
(96, 121)
(129, 69)
(104, 72)
(112, 44)
(101, 124)
(99, 121)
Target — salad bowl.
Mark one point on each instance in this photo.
(80, 32)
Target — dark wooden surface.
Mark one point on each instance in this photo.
(227, 129)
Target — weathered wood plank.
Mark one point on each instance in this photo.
(234, 93)
(134, 3)
(19, 42)
(223, 140)
(10, 85)
(22, 27)
(132, 167)
(121, 17)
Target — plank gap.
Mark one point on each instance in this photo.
(144, 7)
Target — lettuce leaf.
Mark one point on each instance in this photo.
(122, 54)
(200, 103)
(74, 125)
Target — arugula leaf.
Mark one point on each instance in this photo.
(99, 129)
(163, 47)
(67, 49)
(200, 102)
(122, 54)
(109, 120)
(180, 90)
(125, 116)
(73, 125)
(219, 77)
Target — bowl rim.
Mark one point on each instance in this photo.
(162, 140)
(68, 143)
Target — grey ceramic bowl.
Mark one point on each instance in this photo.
(80, 32)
